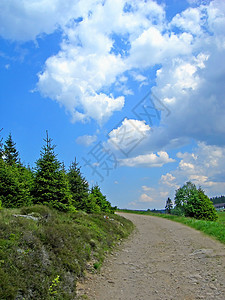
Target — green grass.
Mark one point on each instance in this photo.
(44, 259)
(215, 229)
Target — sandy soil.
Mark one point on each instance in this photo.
(160, 260)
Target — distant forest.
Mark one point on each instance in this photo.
(217, 200)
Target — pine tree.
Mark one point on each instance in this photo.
(11, 155)
(101, 200)
(1, 146)
(78, 186)
(14, 187)
(169, 206)
(15, 179)
(51, 186)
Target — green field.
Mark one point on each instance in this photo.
(212, 228)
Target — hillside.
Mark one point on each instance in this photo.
(43, 251)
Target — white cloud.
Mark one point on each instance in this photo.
(128, 134)
(189, 20)
(146, 188)
(152, 47)
(204, 167)
(74, 79)
(25, 20)
(151, 198)
(80, 74)
(145, 198)
(86, 140)
(148, 160)
(169, 180)
(103, 41)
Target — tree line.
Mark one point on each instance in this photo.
(218, 200)
(191, 202)
(48, 183)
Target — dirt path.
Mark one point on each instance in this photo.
(161, 260)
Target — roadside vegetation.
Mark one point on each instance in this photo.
(192, 207)
(53, 226)
(43, 252)
(215, 229)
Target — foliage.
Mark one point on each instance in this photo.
(11, 155)
(49, 183)
(192, 202)
(218, 200)
(97, 196)
(15, 182)
(212, 228)
(51, 186)
(1, 145)
(43, 259)
(78, 186)
(169, 206)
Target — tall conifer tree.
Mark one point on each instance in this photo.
(78, 185)
(51, 186)
(11, 155)
(1, 146)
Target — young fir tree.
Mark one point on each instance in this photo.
(78, 186)
(169, 206)
(11, 155)
(51, 186)
(100, 199)
(14, 186)
(1, 146)
(15, 180)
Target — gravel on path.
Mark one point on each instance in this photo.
(162, 259)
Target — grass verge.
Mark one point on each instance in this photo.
(212, 228)
(44, 252)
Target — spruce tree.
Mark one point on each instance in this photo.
(14, 187)
(51, 186)
(15, 179)
(169, 206)
(11, 155)
(1, 146)
(78, 186)
(101, 200)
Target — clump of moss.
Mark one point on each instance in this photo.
(42, 257)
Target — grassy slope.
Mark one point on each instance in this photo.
(215, 229)
(42, 259)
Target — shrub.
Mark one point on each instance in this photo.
(192, 202)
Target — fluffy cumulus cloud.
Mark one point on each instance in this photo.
(128, 135)
(204, 167)
(192, 86)
(150, 197)
(25, 20)
(148, 160)
(95, 53)
(103, 42)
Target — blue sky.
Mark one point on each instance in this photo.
(133, 89)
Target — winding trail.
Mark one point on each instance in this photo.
(161, 260)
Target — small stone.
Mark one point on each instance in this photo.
(110, 281)
(212, 286)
